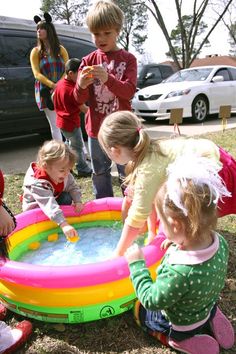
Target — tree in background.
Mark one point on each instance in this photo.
(232, 38)
(190, 49)
(134, 29)
(176, 37)
(229, 20)
(71, 12)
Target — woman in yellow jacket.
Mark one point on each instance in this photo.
(48, 65)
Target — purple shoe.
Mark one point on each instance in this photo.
(198, 344)
(222, 330)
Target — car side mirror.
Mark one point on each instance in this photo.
(217, 78)
(148, 76)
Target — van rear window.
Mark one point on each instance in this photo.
(77, 48)
(16, 50)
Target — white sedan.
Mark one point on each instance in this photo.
(199, 91)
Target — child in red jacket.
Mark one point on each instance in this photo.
(10, 339)
(68, 114)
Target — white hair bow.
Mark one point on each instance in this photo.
(202, 171)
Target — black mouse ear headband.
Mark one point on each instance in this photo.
(47, 17)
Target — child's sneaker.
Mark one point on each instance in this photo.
(198, 344)
(222, 330)
(3, 312)
(20, 334)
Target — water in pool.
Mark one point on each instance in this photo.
(96, 244)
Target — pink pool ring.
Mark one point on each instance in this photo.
(69, 294)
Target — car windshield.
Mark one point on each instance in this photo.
(190, 75)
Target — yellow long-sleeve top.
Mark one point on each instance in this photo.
(151, 173)
(35, 65)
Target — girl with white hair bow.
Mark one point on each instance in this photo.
(180, 307)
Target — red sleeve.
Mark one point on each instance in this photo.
(81, 95)
(1, 186)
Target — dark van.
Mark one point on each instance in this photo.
(19, 114)
(152, 74)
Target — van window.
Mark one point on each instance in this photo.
(155, 71)
(16, 51)
(166, 71)
(77, 48)
(224, 73)
(3, 59)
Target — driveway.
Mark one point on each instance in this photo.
(16, 155)
(188, 129)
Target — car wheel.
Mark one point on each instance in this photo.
(199, 109)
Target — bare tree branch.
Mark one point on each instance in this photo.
(189, 49)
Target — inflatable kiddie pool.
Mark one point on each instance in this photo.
(69, 294)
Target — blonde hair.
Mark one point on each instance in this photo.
(201, 215)
(124, 128)
(53, 150)
(104, 14)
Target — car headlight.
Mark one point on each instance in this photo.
(178, 93)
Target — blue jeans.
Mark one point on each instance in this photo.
(75, 139)
(154, 321)
(101, 166)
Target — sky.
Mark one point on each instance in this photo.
(155, 46)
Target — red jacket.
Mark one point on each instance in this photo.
(66, 107)
(113, 95)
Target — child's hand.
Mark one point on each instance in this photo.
(100, 73)
(83, 108)
(6, 223)
(133, 253)
(85, 79)
(70, 232)
(114, 255)
(150, 237)
(165, 244)
(79, 207)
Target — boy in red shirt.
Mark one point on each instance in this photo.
(109, 85)
(68, 114)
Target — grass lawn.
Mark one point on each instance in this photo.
(119, 334)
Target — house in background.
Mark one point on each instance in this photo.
(213, 59)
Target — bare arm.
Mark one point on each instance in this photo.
(128, 235)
